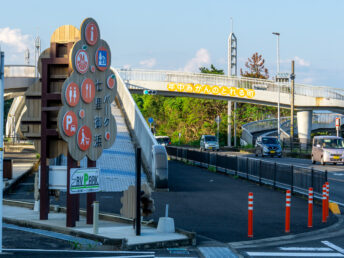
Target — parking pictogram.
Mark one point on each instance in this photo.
(70, 123)
(72, 94)
(81, 61)
(102, 58)
(88, 90)
(91, 33)
(84, 138)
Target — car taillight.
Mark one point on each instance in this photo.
(169, 143)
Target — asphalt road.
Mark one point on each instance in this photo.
(212, 204)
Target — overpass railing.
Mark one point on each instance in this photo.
(282, 176)
(19, 71)
(259, 126)
(154, 157)
(223, 80)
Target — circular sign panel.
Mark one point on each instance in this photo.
(110, 82)
(72, 94)
(88, 90)
(82, 113)
(107, 135)
(91, 33)
(70, 123)
(81, 61)
(84, 138)
(102, 58)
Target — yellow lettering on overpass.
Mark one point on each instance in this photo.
(211, 90)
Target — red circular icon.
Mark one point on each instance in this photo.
(107, 136)
(70, 123)
(93, 68)
(72, 94)
(84, 138)
(102, 58)
(91, 33)
(81, 61)
(82, 113)
(88, 90)
(111, 81)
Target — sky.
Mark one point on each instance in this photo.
(184, 35)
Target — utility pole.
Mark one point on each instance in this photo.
(2, 86)
(292, 77)
(279, 87)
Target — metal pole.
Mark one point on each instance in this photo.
(138, 191)
(218, 128)
(234, 122)
(279, 87)
(292, 104)
(229, 128)
(2, 85)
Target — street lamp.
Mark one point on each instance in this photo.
(279, 90)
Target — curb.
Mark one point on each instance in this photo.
(336, 228)
(115, 242)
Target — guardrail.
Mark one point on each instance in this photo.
(295, 178)
(152, 155)
(223, 80)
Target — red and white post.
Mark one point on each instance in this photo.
(310, 207)
(327, 198)
(250, 214)
(287, 211)
(324, 199)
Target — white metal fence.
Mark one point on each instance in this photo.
(223, 80)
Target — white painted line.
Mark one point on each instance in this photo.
(319, 249)
(130, 256)
(333, 246)
(285, 254)
(77, 251)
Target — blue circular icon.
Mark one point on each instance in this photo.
(150, 120)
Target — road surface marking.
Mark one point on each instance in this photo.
(80, 252)
(286, 254)
(320, 249)
(333, 246)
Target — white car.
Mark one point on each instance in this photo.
(209, 142)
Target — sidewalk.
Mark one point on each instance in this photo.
(112, 234)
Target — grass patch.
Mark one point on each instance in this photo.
(212, 168)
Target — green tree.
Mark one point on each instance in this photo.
(212, 70)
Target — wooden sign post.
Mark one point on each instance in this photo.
(85, 120)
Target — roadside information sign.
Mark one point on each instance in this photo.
(337, 122)
(85, 120)
(84, 180)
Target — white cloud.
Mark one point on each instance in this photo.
(298, 60)
(14, 38)
(148, 63)
(14, 43)
(202, 58)
(301, 62)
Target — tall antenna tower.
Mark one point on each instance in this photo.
(27, 56)
(232, 54)
(37, 53)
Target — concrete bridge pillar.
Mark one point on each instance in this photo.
(304, 127)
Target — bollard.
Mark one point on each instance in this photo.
(324, 204)
(310, 207)
(287, 211)
(327, 198)
(166, 211)
(95, 217)
(250, 214)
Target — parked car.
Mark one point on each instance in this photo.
(163, 140)
(209, 142)
(327, 149)
(268, 146)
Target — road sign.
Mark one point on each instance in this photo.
(95, 125)
(150, 120)
(84, 180)
(70, 123)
